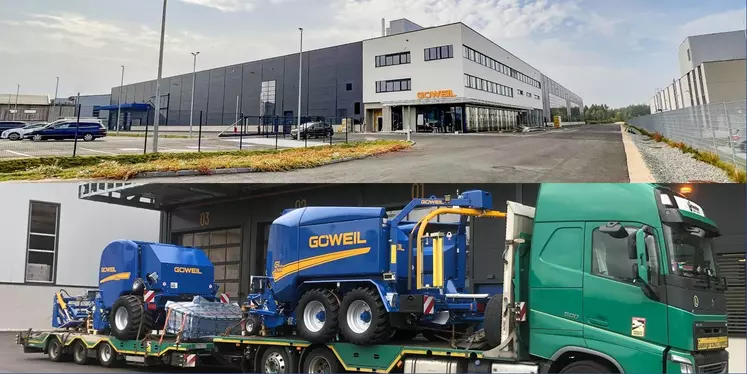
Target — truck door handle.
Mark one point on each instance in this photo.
(598, 322)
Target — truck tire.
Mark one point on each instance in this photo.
(321, 360)
(55, 351)
(317, 316)
(276, 360)
(252, 325)
(586, 366)
(107, 355)
(365, 320)
(492, 323)
(80, 353)
(128, 318)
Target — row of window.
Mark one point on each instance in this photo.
(439, 53)
(393, 59)
(487, 86)
(529, 94)
(486, 61)
(395, 85)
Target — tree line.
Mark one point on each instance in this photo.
(601, 113)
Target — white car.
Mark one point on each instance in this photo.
(17, 134)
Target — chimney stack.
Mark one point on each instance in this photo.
(383, 27)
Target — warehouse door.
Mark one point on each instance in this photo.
(223, 247)
(732, 267)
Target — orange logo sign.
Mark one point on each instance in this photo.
(436, 94)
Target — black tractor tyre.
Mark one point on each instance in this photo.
(106, 354)
(321, 360)
(586, 366)
(331, 305)
(252, 325)
(80, 353)
(55, 351)
(493, 321)
(139, 321)
(378, 328)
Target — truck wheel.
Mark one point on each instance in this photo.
(80, 353)
(365, 320)
(321, 360)
(55, 351)
(275, 360)
(586, 367)
(128, 318)
(492, 323)
(317, 315)
(107, 355)
(252, 325)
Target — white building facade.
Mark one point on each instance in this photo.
(52, 240)
(447, 79)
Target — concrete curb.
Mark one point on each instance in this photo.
(638, 172)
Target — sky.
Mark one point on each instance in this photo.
(615, 52)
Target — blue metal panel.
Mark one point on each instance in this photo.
(320, 215)
(181, 270)
(119, 268)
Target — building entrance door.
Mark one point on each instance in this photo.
(223, 248)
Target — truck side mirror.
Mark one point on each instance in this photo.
(640, 247)
(614, 229)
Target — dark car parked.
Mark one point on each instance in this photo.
(87, 131)
(313, 130)
(7, 125)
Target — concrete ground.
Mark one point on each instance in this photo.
(587, 153)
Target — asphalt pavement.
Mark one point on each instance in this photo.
(587, 153)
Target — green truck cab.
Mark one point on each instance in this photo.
(622, 277)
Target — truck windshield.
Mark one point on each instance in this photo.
(689, 255)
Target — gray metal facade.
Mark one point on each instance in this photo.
(328, 73)
(552, 92)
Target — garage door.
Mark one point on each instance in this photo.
(732, 267)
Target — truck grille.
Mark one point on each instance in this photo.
(718, 367)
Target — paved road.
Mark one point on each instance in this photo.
(589, 153)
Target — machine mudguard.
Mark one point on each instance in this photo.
(386, 292)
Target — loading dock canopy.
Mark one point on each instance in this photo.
(136, 107)
(165, 196)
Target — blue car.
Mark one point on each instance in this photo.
(87, 131)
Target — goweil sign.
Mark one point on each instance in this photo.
(436, 94)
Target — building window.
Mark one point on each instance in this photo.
(520, 92)
(348, 87)
(536, 97)
(223, 248)
(393, 59)
(484, 60)
(357, 108)
(487, 86)
(393, 85)
(529, 95)
(438, 53)
(41, 247)
(267, 99)
(688, 55)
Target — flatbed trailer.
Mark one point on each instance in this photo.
(108, 351)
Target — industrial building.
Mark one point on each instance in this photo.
(231, 222)
(52, 240)
(442, 78)
(712, 70)
(32, 108)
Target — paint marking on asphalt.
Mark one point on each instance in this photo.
(18, 153)
(97, 151)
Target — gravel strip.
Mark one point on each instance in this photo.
(670, 165)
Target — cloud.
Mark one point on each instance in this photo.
(226, 5)
(725, 21)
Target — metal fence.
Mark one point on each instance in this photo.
(717, 127)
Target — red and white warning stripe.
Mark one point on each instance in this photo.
(521, 312)
(224, 298)
(429, 303)
(149, 296)
(190, 360)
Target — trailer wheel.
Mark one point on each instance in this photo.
(107, 355)
(252, 325)
(586, 366)
(317, 315)
(365, 320)
(321, 360)
(80, 353)
(129, 319)
(55, 351)
(276, 360)
(492, 323)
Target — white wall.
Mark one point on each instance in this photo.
(434, 75)
(483, 45)
(85, 228)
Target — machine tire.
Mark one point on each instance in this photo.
(80, 353)
(107, 355)
(252, 325)
(377, 328)
(331, 306)
(55, 351)
(276, 360)
(321, 360)
(136, 317)
(493, 321)
(586, 366)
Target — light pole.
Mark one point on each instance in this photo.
(157, 116)
(119, 99)
(15, 108)
(54, 99)
(300, 63)
(194, 77)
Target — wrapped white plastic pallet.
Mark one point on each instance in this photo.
(201, 318)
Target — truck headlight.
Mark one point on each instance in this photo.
(686, 366)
